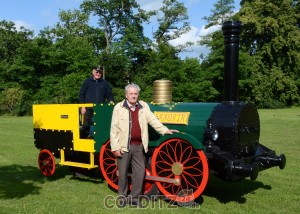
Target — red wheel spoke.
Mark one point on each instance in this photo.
(166, 157)
(187, 154)
(164, 165)
(49, 159)
(196, 173)
(167, 185)
(178, 150)
(169, 153)
(109, 154)
(192, 162)
(109, 161)
(175, 189)
(111, 169)
(189, 180)
(162, 173)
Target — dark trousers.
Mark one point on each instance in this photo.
(136, 159)
(87, 122)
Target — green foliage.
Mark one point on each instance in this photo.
(114, 16)
(173, 21)
(193, 85)
(11, 39)
(63, 89)
(271, 36)
(275, 85)
(67, 88)
(47, 89)
(11, 99)
(50, 67)
(222, 12)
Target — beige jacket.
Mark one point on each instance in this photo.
(120, 126)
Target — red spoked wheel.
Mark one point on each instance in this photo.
(177, 159)
(108, 165)
(46, 162)
(109, 169)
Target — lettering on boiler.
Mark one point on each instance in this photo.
(173, 117)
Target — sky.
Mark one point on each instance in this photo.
(38, 14)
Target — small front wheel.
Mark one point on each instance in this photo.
(46, 162)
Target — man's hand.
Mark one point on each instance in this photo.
(118, 153)
(171, 131)
(83, 110)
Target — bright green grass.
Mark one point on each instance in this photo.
(24, 190)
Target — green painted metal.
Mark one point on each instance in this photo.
(199, 113)
(102, 121)
(184, 136)
(192, 132)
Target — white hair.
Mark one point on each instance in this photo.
(132, 85)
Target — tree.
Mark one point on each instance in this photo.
(222, 12)
(73, 44)
(271, 36)
(11, 99)
(114, 16)
(173, 21)
(12, 47)
(213, 63)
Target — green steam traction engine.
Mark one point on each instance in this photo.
(221, 138)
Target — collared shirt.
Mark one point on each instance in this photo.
(132, 107)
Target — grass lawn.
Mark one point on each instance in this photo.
(23, 189)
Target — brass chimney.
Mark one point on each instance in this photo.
(162, 91)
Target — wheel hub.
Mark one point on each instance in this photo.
(177, 168)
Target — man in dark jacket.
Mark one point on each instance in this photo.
(93, 90)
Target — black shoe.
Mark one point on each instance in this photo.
(77, 174)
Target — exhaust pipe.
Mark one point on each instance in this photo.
(231, 31)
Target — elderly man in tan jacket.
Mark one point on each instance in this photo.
(129, 141)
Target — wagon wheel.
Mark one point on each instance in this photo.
(46, 162)
(109, 169)
(108, 166)
(176, 158)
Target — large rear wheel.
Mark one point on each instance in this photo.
(177, 159)
(108, 165)
(109, 170)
